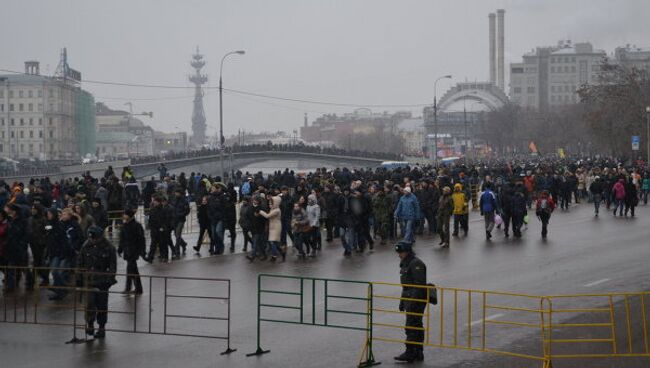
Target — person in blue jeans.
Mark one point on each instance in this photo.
(408, 212)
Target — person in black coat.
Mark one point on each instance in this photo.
(158, 226)
(631, 197)
(98, 260)
(216, 213)
(204, 221)
(16, 248)
(230, 216)
(181, 210)
(519, 209)
(98, 213)
(132, 246)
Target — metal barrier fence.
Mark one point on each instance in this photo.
(167, 305)
(461, 312)
(611, 325)
(320, 291)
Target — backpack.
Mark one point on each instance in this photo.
(543, 206)
(246, 188)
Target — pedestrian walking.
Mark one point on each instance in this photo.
(543, 209)
(488, 205)
(132, 246)
(445, 210)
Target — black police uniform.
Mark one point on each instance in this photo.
(159, 227)
(99, 263)
(413, 272)
(132, 246)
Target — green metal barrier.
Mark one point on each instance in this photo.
(310, 283)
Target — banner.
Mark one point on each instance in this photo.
(560, 152)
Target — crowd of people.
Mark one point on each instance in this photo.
(44, 225)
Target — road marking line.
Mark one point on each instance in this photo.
(598, 282)
(488, 318)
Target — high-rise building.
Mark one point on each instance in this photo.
(46, 118)
(550, 76)
(632, 56)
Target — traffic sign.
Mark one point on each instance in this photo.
(635, 142)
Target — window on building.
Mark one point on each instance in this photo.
(573, 68)
(30, 107)
(40, 121)
(21, 107)
(552, 88)
(51, 147)
(517, 90)
(13, 135)
(530, 89)
(2, 93)
(552, 69)
(51, 107)
(31, 134)
(50, 121)
(3, 121)
(51, 133)
(40, 147)
(20, 94)
(22, 134)
(552, 98)
(2, 148)
(552, 60)
(2, 107)
(573, 59)
(50, 93)
(40, 134)
(13, 122)
(31, 147)
(11, 107)
(30, 93)
(22, 122)
(11, 94)
(3, 134)
(40, 93)
(582, 75)
(31, 121)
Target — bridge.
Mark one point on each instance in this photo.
(210, 164)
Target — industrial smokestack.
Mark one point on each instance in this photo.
(493, 55)
(500, 49)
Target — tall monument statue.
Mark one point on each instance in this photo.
(198, 114)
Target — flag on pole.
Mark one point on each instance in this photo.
(533, 147)
(560, 152)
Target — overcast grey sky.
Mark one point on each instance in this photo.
(347, 51)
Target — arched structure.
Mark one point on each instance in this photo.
(486, 93)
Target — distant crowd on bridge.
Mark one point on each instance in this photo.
(300, 148)
(41, 168)
(46, 224)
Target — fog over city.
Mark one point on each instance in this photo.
(350, 52)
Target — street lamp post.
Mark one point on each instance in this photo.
(221, 138)
(435, 119)
(647, 136)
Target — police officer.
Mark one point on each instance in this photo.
(98, 262)
(132, 246)
(412, 272)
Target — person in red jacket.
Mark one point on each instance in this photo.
(543, 209)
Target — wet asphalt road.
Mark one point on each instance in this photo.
(583, 254)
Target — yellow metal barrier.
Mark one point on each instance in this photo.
(578, 326)
(460, 311)
(617, 320)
